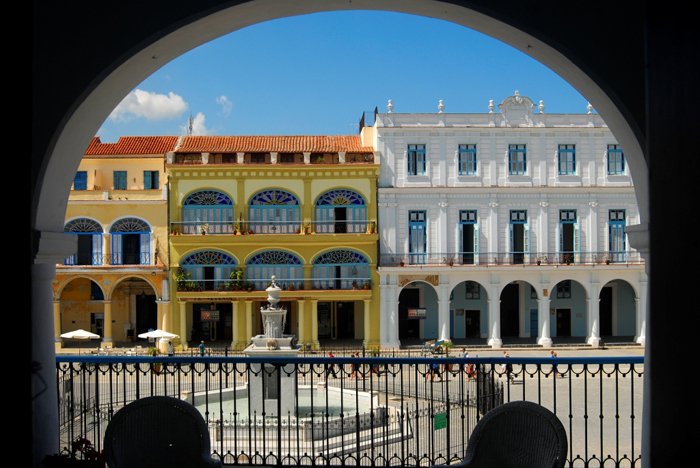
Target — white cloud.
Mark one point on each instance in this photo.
(225, 104)
(150, 106)
(198, 127)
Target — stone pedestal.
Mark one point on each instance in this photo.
(272, 389)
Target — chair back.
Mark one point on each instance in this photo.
(158, 431)
(518, 434)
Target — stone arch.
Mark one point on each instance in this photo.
(618, 301)
(469, 305)
(415, 294)
(569, 299)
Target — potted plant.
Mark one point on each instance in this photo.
(238, 277)
(82, 454)
(204, 228)
(367, 285)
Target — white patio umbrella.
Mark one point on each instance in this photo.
(156, 334)
(80, 335)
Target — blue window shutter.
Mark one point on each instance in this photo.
(476, 244)
(80, 181)
(116, 249)
(97, 249)
(145, 249)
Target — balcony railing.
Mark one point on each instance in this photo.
(453, 259)
(360, 411)
(109, 259)
(272, 227)
(262, 284)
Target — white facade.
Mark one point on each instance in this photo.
(516, 197)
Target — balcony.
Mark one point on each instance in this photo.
(208, 285)
(271, 227)
(123, 259)
(383, 410)
(491, 259)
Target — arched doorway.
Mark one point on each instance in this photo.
(418, 313)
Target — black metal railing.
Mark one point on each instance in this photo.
(458, 259)
(308, 411)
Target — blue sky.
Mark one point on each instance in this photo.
(316, 74)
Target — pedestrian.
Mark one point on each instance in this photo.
(353, 367)
(201, 348)
(507, 367)
(554, 366)
(330, 368)
(171, 349)
(375, 366)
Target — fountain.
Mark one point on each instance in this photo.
(268, 382)
(273, 399)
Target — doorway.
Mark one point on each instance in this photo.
(408, 328)
(606, 311)
(510, 310)
(563, 322)
(472, 323)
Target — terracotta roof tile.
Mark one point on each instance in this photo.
(279, 144)
(127, 146)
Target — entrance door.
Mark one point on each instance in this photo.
(341, 220)
(605, 311)
(563, 322)
(510, 310)
(345, 320)
(131, 249)
(472, 323)
(408, 328)
(146, 313)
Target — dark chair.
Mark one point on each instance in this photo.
(158, 431)
(518, 434)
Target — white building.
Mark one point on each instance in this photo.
(505, 224)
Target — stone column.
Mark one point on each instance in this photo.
(367, 323)
(107, 340)
(314, 324)
(57, 325)
(544, 322)
(443, 312)
(494, 314)
(184, 332)
(301, 312)
(393, 317)
(593, 311)
(235, 330)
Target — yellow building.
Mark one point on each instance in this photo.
(113, 284)
(300, 208)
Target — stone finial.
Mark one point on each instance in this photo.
(492, 106)
(273, 293)
(441, 106)
(590, 108)
(541, 107)
(390, 106)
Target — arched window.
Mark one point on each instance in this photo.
(207, 210)
(209, 270)
(284, 266)
(341, 211)
(341, 269)
(274, 212)
(131, 242)
(89, 234)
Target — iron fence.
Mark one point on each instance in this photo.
(305, 411)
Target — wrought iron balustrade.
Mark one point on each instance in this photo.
(361, 411)
(125, 259)
(458, 259)
(190, 285)
(272, 227)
